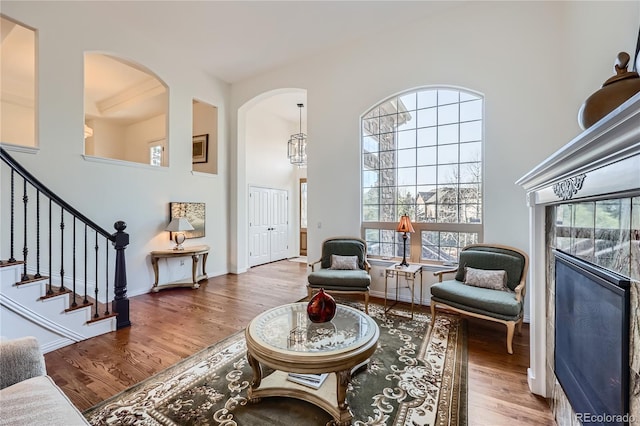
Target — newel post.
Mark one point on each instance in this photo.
(120, 303)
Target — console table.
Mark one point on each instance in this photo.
(195, 253)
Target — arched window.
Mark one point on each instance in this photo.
(422, 156)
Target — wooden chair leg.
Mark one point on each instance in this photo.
(366, 303)
(433, 313)
(510, 329)
(519, 327)
(309, 292)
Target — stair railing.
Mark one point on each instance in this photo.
(70, 220)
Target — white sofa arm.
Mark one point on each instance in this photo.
(20, 359)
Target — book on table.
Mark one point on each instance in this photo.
(312, 380)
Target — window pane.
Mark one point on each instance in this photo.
(447, 213)
(370, 213)
(447, 134)
(427, 175)
(447, 194)
(387, 248)
(447, 154)
(448, 114)
(407, 139)
(370, 161)
(471, 110)
(427, 98)
(448, 174)
(408, 101)
(407, 176)
(447, 96)
(387, 159)
(408, 121)
(430, 246)
(427, 156)
(369, 178)
(427, 117)
(427, 136)
(155, 155)
(464, 96)
(370, 144)
(370, 126)
(406, 157)
(470, 172)
(471, 131)
(370, 196)
(471, 151)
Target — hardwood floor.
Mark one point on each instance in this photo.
(173, 324)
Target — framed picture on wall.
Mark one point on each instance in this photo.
(200, 150)
(195, 214)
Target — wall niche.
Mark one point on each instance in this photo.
(125, 111)
(204, 149)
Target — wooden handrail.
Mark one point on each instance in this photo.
(50, 194)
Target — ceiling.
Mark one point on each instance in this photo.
(236, 40)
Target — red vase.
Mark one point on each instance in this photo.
(321, 307)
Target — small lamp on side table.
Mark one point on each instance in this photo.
(404, 226)
(178, 225)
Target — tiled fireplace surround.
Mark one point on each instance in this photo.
(602, 163)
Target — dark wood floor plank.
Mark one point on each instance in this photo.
(173, 324)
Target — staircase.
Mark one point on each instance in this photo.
(65, 258)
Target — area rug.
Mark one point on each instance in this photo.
(417, 376)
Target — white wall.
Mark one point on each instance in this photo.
(110, 191)
(535, 62)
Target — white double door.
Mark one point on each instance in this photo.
(268, 225)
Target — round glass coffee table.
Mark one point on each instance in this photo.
(284, 339)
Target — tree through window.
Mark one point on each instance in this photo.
(422, 156)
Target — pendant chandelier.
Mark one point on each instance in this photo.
(297, 146)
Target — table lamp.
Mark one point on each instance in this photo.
(404, 226)
(178, 225)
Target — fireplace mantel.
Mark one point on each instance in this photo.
(602, 162)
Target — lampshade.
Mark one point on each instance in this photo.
(179, 224)
(405, 224)
(297, 146)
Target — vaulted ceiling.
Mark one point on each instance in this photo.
(231, 40)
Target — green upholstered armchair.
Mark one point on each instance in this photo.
(481, 289)
(343, 268)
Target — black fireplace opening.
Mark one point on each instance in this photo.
(592, 339)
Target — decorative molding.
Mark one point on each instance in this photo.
(34, 317)
(569, 187)
(135, 95)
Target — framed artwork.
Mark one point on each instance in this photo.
(195, 214)
(200, 150)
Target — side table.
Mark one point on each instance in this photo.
(409, 273)
(195, 253)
